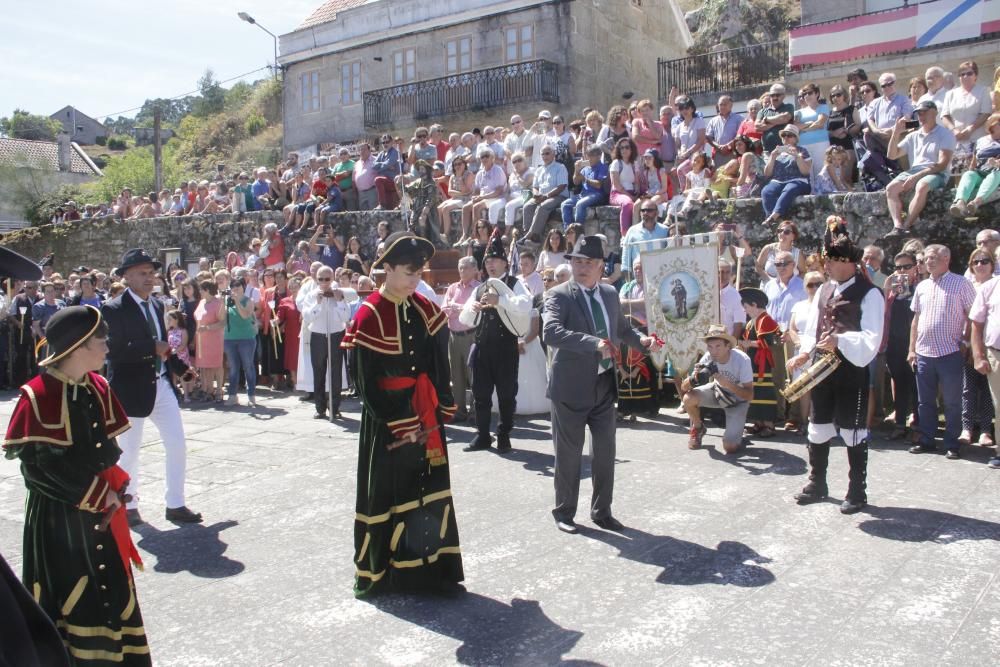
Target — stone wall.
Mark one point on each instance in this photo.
(101, 243)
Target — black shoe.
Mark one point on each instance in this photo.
(182, 515)
(479, 444)
(953, 455)
(337, 415)
(811, 493)
(609, 523)
(133, 518)
(852, 506)
(503, 443)
(308, 397)
(319, 415)
(450, 589)
(923, 449)
(897, 231)
(567, 526)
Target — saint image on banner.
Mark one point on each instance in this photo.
(682, 296)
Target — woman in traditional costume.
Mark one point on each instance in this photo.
(760, 335)
(78, 552)
(405, 534)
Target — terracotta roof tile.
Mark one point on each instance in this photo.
(22, 152)
(328, 11)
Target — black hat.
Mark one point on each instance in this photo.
(67, 330)
(405, 248)
(81, 269)
(837, 242)
(925, 105)
(753, 296)
(135, 257)
(495, 249)
(587, 247)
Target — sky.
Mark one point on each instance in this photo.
(108, 56)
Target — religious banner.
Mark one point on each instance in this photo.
(681, 282)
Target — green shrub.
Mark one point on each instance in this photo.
(101, 140)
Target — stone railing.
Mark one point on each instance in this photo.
(101, 242)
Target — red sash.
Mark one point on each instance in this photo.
(424, 403)
(118, 479)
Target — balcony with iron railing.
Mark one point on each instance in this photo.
(723, 71)
(478, 90)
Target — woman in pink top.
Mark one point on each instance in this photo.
(209, 336)
(647, 132)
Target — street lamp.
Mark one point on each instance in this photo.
(249, 19)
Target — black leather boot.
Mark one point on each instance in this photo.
(857, 457)
(815, 490)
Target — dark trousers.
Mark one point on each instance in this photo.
(905, 383)
(23, 364)
(944, 373)
(494, 367)
(318, 356)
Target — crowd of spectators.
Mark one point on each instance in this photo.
(941, 328)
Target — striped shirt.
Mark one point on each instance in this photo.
(943, 305)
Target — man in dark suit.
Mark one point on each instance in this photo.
(137, 354)
(583, 324)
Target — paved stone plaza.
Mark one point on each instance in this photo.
(718, 566)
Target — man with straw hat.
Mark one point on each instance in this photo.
(723, 379)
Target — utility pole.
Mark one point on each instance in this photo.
(157, 154)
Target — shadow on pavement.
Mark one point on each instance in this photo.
(912, 524)
(762, 461)
(194, 548)
(686, 563)
(491, 632)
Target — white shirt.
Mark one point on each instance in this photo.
(858, 347)
(533, 283)
(152, 312)
(519, 303)
(731, 304)
(323, 315)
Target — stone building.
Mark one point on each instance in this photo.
(80, 127)
(359, 67)
(31, 168)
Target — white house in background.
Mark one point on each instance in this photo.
(42, 165)
(80, 127)
(360, 67)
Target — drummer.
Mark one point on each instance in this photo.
(494, 359)
(846, 319)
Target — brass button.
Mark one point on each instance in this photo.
(413, 368)
(101, 566)
(411, 337)
(100, 547)
(94, 425)
(97, 526)
(97, 446)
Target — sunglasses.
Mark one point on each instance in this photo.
(780, 264)
(832, 95)
(648, 210)
(813, 285)
(844, 260)
(773, 95)
(968, 73)
(888, 84)
(786, 230)
(981, 262)
(904, 267)
(324, 280)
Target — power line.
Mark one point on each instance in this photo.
(177, 97)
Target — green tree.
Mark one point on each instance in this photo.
(24, 125)
(213, 96)
(134, 169)
(238, 95)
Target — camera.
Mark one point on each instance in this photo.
(900, 284)
(702, 374)
(912, 124)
